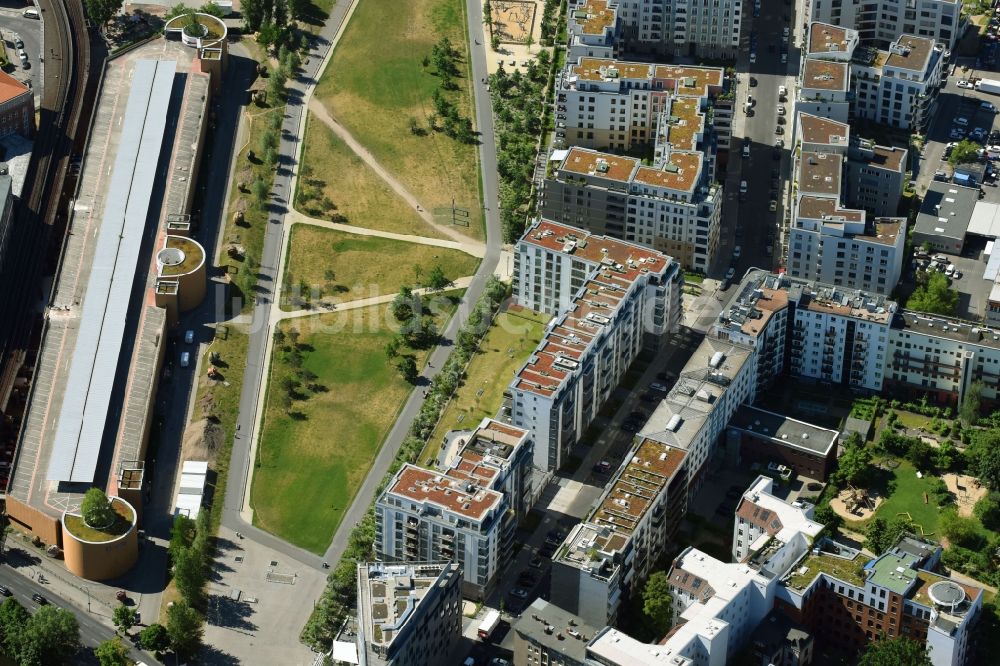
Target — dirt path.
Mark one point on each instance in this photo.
(323, 114)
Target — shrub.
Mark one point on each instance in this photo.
(987, 510)
(96, 509)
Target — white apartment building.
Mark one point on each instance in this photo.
(943, 357)
(840, 246)
(824, 89)
(673, 207)
(615, 104)
(408, 614)
(593, 29)
(884, 20)
(875, 177)
(760, 516)
(611, 299)
(898, 87)
(831, 42)
(822, 135)
(466, 514)
(613, 551)
(706, 28)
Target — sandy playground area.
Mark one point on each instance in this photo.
(966, 490)
(513, 20)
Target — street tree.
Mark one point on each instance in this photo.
(124, 618)
(154, 637)
(102, 11)
(899, 651)
(13, 618)
(51, 636)
(436, 279)
(184, 629)
(112, 652)
(407, 367)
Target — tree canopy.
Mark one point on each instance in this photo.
(96, 508)
(101, 11)
(964, 151)
(984, 458)
(155, 638)
(881, 534)
(855, 463)
(934, 297)
(656, 602)
(968, 411)
(124, 618)
(899, 651)
(50, 636)
(112, 652)
(184, 629)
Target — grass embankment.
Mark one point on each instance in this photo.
(348, 266)
(377, 82)
(314, 455)
(507, 345)
(333, 171)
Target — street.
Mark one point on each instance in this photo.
(746, 223)
(92, 631)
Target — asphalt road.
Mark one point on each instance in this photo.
(30, 31)
(92, 631)
(746, 223)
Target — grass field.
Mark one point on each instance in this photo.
(911, 420)
(908, 496)
(361, 197)
(507, 345)
(376, 82)
(365, 266)
(310, 463)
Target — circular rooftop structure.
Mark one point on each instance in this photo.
(946, 593)
(196, 29)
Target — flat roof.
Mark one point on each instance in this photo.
(946, 210)
(680, 172)
(823, 130)
(891, 158)
(468, 497)
(609, 69)
(824, 75)
(82, 420)
(948, 328)
(596, 164)
(549, 625)
(784, 430)
(827, 38)
(985, 220)
(910, 52)
(594, 17)
(827, 209)
(612, 646)
(884, 230)
(690, 81)
(684, 122)
(820, 173)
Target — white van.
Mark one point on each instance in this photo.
(31, 13)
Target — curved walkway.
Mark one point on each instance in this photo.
(321, 112)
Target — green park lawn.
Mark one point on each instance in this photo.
(364, 266)
(376, 82)
(361, 198)
(513, 336)
(312, 459)
(908, 496)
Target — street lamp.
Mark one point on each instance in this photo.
(87, 590)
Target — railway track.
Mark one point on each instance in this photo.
(40, 219)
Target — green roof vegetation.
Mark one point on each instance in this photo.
(848, 571)
(193, 256)
(124, 518)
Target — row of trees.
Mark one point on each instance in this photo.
(416, 330)
(50, 636)
(518, 108)
(339, 596)
(274, 15)
(446, 117)
(301, 379)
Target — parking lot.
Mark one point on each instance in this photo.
(15, 26)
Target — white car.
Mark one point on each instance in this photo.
(750, 101)
(753, 57)
(781, 110)
(965, 84)
(731, 273)
(743, 187)
(961, 120)
(189, 337)
(772, 206)
(185, 359)
(782, 91)
(784, 58)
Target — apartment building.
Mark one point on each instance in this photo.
(673, 207)
(615, 104)
(769, 439)
(843, 247)
(898, 87)
(593, 29)
(848, 601)
(605, 557)
(822, 135)
(704, 28)
(408, 614)
(875, 178)
(942, 357)
(824, 89)
(831, 42)
(883, 20)
(611, 299)
(17, 107)
(761, 516)
(466, 514)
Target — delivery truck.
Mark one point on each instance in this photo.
(489, 624)
(988, 86)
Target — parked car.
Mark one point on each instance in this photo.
(737, 251)
(772, 205)
(731, 273)
(750, 101)
(189, 336)
(5, 591)
(39, 599)
(185, 359)
(753, 82)
(602, 467)
(965, 84)
(961, 120)
(743, 187)
(657, 386)
(535, 563)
